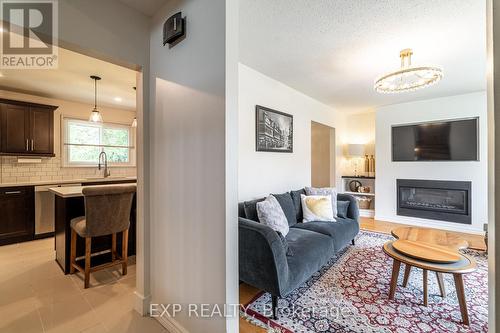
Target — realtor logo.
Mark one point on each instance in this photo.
(29, 34)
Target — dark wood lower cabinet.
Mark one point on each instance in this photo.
(17, 214)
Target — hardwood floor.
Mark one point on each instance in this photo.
(247, 293)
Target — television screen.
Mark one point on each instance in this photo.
(455, 140)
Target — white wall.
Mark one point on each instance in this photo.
(188, 166)
(460, 106)
(261, 173)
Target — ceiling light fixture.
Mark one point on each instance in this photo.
(118, 99)
(408, 78)
(95, 116)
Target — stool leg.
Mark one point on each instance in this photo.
(88, 249)
(394, 278)
(124, 251)
(440, 280)
(72, 255)
(459, 285)
(425, 287)
(113, 247)
(407, 275)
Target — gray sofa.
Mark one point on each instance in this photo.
(277, 265)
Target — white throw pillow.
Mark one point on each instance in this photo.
(271, 214)
(317, 208)
(325, 191)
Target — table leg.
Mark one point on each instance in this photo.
(407, 275)
(459, 285)
(394, 278)
(425, 287)
(440, 280)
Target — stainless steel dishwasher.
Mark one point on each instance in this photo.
(44, 210)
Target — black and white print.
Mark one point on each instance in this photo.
(274, 130)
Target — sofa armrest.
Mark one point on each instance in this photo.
(262, 257)
(353, 210)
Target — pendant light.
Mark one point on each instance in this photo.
(408, 77)
(95, 116)
(134, 122)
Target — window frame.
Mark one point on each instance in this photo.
(65, 144)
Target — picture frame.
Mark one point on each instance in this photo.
(273, 130)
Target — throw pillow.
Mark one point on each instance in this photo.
(317, 208)
(286, 203)
(250, 208)
(297, 203)
(325, 191)
(271, 214)
(342, 208)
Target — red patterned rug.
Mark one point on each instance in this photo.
(350, 294)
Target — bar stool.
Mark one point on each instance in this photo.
(107, 212)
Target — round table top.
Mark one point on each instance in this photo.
(465, 264)
(431, 236)
(429, 244)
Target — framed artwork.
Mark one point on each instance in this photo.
(273, 130)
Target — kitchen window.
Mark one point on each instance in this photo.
(85, 140)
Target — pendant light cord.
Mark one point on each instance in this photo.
(95, 94)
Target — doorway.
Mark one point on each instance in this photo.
(322, 155)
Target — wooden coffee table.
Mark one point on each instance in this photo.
(428, 244)
(445, 242)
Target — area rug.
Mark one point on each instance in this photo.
(350, 294)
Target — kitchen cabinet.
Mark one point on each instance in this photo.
(17, 206)
(26, 129)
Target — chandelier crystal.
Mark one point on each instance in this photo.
(408, 78)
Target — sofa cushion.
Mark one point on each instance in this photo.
(286, 203)
(250, 208)
(342, 208)
(271, 214)
(297, 204)
(341, 232)
(311, 251)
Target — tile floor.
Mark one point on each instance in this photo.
(35, 296)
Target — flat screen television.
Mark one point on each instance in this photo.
(454, 140)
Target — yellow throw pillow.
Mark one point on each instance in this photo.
(317, 208)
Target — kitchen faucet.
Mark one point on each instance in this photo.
(107, 173)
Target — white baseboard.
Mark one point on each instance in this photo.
(142, 303)
(171, 325)
(468, 229)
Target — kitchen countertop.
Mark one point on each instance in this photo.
(69, 181)
(75, 191)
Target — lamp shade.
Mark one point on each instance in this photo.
(355, 149)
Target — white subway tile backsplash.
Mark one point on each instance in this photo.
(49, 169)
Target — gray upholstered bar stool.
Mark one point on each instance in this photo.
(107, 212)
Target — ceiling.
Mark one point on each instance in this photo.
(71, 81)
(147, 7)
(333, 50)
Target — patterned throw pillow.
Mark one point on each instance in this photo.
(317, 208)
(271, 214)
(325, 191)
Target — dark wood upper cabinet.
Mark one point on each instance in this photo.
(26, 128)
